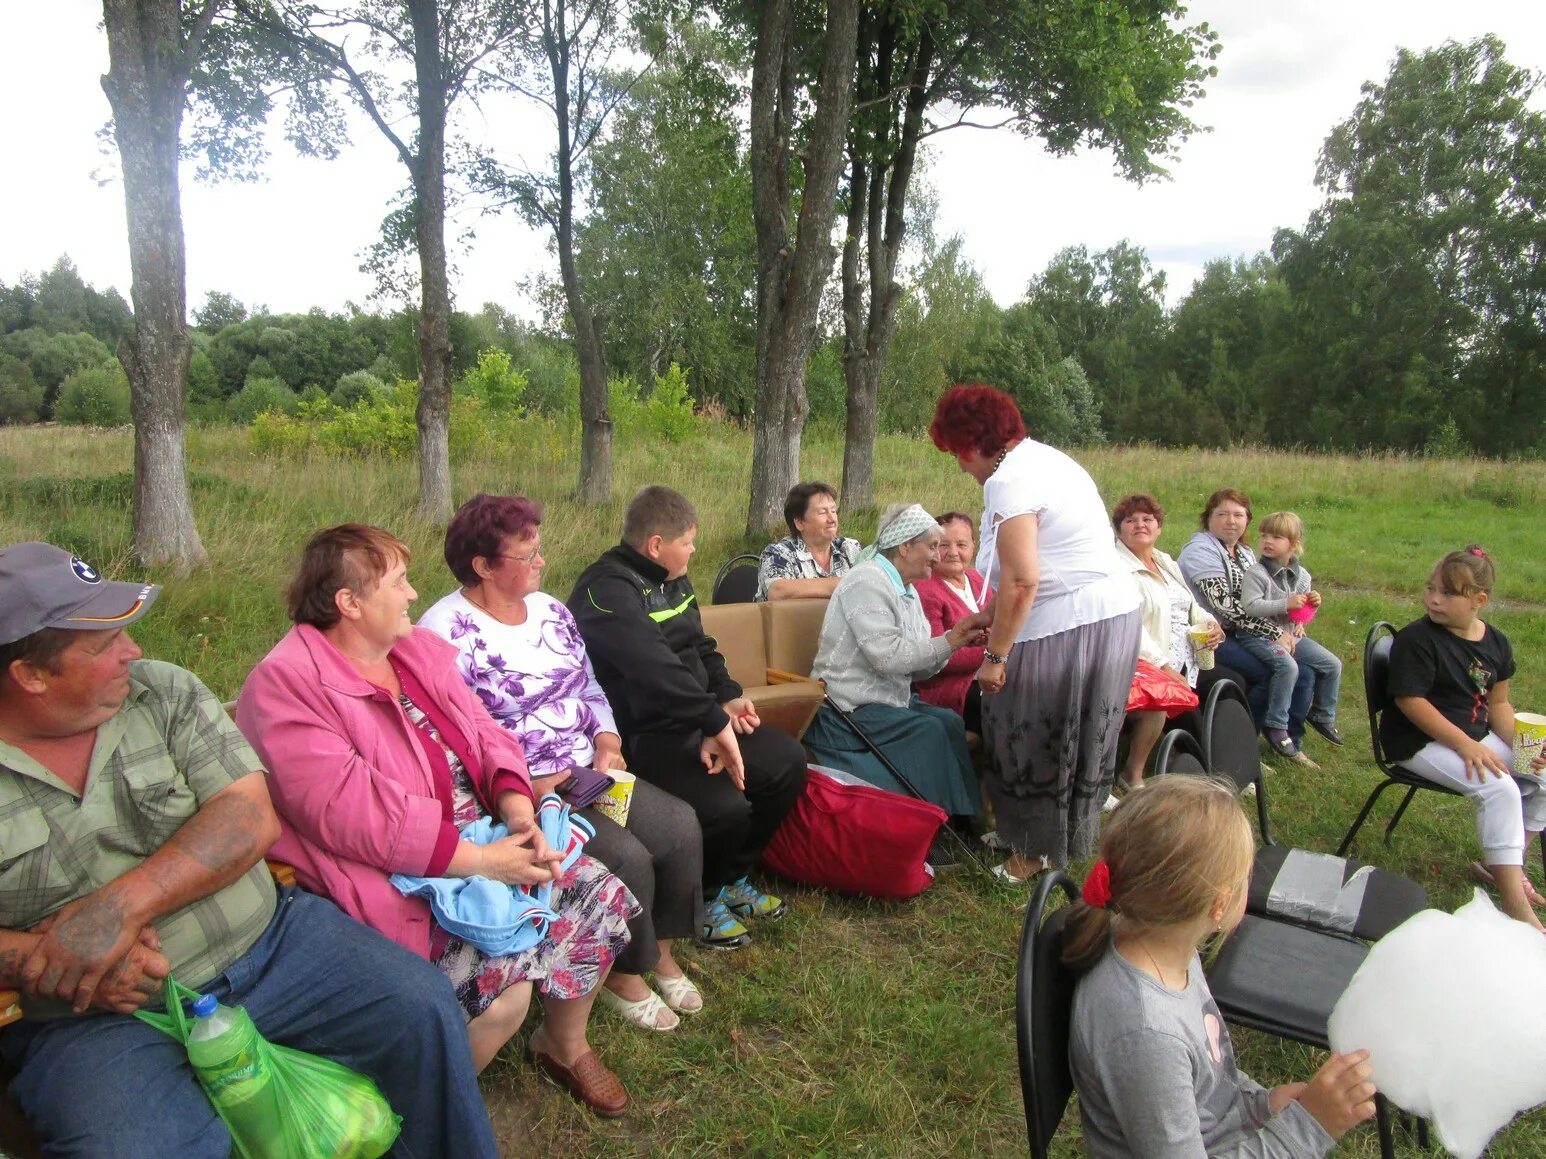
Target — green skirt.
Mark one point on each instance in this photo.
(926, 743)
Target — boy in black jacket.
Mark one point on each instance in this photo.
(686, 728)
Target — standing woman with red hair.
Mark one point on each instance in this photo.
(1063, 643)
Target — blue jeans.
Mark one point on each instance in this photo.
(1300, 688)
(316, 980)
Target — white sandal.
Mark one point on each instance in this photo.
(680, 993)
(648, 1012)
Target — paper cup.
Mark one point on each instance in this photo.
(1529, 740)
(615, 801)
(1200, 650)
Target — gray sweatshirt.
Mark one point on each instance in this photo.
(1265, 589)
(1156, 1076)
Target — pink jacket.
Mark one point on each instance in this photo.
(948, 687)
(353, 788)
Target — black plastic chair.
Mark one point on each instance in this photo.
(1044, 1006)
(1179, 752)
(1229, 745)
(1315, 890)
(1376, 680)
(736, 581)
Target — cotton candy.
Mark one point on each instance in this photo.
(1450, 1008)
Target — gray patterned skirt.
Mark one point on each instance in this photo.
(1052, 735)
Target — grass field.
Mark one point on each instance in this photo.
(852, 1027)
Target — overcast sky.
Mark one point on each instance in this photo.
(1288, 72)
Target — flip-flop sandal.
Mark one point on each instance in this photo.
(1484, 875)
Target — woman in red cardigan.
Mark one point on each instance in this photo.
(954, 591)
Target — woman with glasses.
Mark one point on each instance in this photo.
(520, 653)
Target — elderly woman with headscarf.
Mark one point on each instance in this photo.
(874, 643)
(1062, 644)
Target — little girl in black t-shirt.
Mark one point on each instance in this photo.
(1452, 721)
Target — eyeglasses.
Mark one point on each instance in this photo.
(529, 558)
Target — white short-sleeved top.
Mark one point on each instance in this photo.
(1082, 580)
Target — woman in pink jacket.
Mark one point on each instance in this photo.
(377, 755)
(953, 591)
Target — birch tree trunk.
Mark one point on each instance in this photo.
(792, 272)
(150, 60)
(429, 182)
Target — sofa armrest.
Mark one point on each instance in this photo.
(779, 676)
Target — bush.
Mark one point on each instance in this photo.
(668, 414)
(259, 395)
(1447, 442)
(21, 398)
(357, 386)
(95, 397)
(494, 382)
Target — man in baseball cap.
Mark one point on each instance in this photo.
(133, 822)
(42, 586)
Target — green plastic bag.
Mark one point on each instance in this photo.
(280, 1103)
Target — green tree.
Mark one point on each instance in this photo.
(1418, 285)
(946, 316)
(1220, 337)
(1118, 76)
(1107, 312)
(667, 251)
(447, 45)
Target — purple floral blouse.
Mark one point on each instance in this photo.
(534, 678)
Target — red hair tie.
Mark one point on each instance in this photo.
(1097, 887)
(1477, 552)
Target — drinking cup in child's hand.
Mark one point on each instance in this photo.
(1340, 1096)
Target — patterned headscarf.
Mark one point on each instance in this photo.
(906, 524)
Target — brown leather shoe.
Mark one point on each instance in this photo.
(588, 1080)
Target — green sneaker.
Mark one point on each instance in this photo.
(721, 931)
(745, 900)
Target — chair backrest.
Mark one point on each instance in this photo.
(1229, 746)
(1376, 681)
(1044, 1007)
(1179, 752)
(737, 632)
(736, 581)
(1229, 735)
(793, 629)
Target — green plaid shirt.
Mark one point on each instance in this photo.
(169, 749)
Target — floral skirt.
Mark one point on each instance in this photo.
(593, 909)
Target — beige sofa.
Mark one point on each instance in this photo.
(769, 649)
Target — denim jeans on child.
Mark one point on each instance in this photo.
(1286, 670)
(1257, 677)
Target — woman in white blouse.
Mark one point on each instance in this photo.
(522, 655)
(1169, 615)
(1063, 643)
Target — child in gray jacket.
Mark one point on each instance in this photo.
(1275, 587)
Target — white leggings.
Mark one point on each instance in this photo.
(1506, 807)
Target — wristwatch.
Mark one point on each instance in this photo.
(994, 657)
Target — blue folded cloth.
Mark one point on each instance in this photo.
(496, 918)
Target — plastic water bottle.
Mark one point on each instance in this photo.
(225, 1050)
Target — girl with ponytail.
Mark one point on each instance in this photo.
(1151, 1059)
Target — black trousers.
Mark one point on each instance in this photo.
(736, 825)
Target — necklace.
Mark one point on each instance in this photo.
(998, 462)
(485, 609)
(1147, 953)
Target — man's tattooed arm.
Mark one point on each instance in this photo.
(90, 936)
